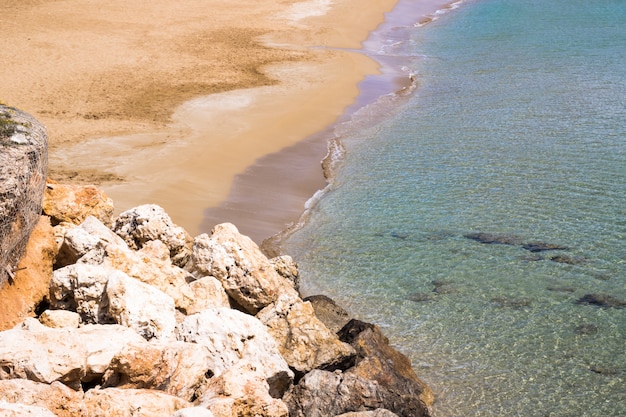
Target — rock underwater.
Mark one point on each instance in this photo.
(142, 320)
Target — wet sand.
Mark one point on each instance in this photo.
(166, 102)
(268, 199)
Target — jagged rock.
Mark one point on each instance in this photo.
(56, 397)
(150, 222)
(60, 319)
(29, 286)
(81, 288)
(231, 336)
(242, 391)
(401, 391)
(329, 312)
(245, 273)
(21, 410)
(93, 243)
(115, 402)
(601, 300)
(304, 341)
(145, 309)
(379, 412)
(74, 203)
(70, 356)
(287, 268)
(207, 293)
(323, 393)
(177, 368)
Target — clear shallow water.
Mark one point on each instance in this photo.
(518, 128)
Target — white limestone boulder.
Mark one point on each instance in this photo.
(242, 391)
(236, 261)
(232, 336)
(304, 341)
(61, 400)
(143, 308)
(70, 356)
(150, 222)
(116, 402)
(22, 410)
(176, 368)
(193, 412)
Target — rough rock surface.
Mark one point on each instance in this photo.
(303, 340)
(56, 397)
(20, 296)
(116, 402)
(150, 222)
(247, 275)
(177, 368)
(232, 336)
(207, 293)
(73, 203)
(329, 312)
(242, 390)
(143, 308)
(380, 412)
(60, 319)
(21, 410)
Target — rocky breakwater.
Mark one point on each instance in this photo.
(141, 319)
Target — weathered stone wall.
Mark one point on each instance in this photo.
(23, 171)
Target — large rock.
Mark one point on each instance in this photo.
(56, 397)
(232, 336)
(303, 340)
(150, 222)
(70, 356)
(177, 368)
(74, 203)
(323, 393)
(247, 275)
(115, 402)
(81, 288)
(29, 286)
(287, 268)
(242, 391)
(23, 172)
(93, 243)
(143, 308)
(402, 391)
(21, 410)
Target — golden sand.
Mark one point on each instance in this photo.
(165, 102)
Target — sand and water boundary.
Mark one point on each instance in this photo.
(168, 102)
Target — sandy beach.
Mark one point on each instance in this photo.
(166, 102)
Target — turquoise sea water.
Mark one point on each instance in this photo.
(517, 129)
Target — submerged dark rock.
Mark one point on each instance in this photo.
(492, 239)
(561, 288)
(569, 260)
(601, 300)
(586, 329)
(542, 246)
(606, 370)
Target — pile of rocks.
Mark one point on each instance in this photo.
(143, 320)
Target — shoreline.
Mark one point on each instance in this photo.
(271, 199)
(124, 90)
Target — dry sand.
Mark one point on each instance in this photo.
(165, 102)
